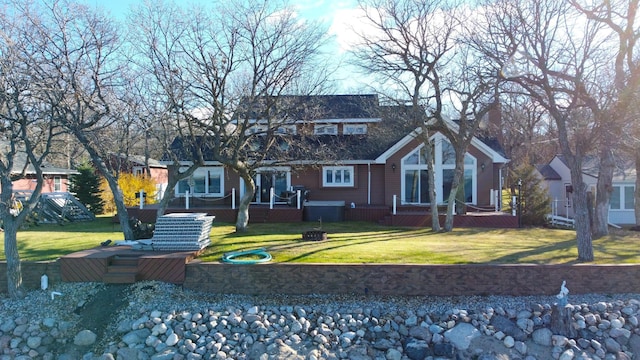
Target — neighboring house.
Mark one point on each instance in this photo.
(55, 179)
(136, 165)
(557, 178)
(377, 156)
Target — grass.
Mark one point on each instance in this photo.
(356, 242)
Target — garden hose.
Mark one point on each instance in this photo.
(230, 256)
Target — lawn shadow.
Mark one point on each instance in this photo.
(518, 257)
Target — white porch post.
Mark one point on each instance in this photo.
(233, 198)
(395, 206)
(186, 199)
(141, 199)
(271, 198)
(298, 194)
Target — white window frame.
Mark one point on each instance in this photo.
(438, 168)
(287, 130)
(256, 129)
(138, 170)
(325, 129)
(623, 190)
(354, 129)
(257, 179)
(334, 170)
(219, 170)
(57, 183)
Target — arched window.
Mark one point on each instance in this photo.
(415, 180)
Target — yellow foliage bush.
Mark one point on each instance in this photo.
(130, 185)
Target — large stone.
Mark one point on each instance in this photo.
(443, 349)
(85, 338)
(420, 332)
(461, 335)
(542, 336)
(509, 327)
(416, 349)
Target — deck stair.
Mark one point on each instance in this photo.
(122, 270)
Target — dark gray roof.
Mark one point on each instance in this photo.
(310, 107)
(20, 159)
(392, 127)
(547, 172)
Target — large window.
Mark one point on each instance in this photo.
(415, 180)
(205, 181)
(622, 198)
(325, 129)
(337, 176)
(57, 183)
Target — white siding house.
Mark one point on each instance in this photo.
(557, 179)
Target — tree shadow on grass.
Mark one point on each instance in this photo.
(563, 247)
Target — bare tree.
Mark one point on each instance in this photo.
(81, 75)
(29, 127)
(611, 99)
(415, 48)
(530, 43)
(216, 70)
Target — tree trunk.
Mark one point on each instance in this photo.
(242, 221)
(636, 193)
(455, 183)
(581, 213)
(123, 214)
(604, 188)
(433, 197)
(14, 270)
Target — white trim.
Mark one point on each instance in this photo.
(325, 129)
(354, 129)
(203, 171)
(439, 169)
(484, 148)
(341, 170)
(328, 120)
(257, 179)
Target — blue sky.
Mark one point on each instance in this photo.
(338, 16)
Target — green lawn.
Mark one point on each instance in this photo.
(356, 242)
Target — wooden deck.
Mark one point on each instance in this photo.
(121, 264)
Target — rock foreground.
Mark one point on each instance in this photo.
(161, 321)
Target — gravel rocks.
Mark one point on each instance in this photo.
(162, 321)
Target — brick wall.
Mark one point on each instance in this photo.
(439, 280)
(31, 273)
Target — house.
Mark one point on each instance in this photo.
(56, 179)
(378, 160)
(136, 165)
(557, 179)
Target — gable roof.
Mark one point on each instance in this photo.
(20, 159)
(547, 172)
(313, 108)
(387, 132)
(624, 170)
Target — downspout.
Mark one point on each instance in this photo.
(369, 183)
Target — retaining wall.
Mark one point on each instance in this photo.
(31, 274)
(438, 280)
(423, 280)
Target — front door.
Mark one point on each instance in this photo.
(279, 180)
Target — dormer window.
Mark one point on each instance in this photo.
(354, 129)
(325, 130)
(287, 130)
(256, 129)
